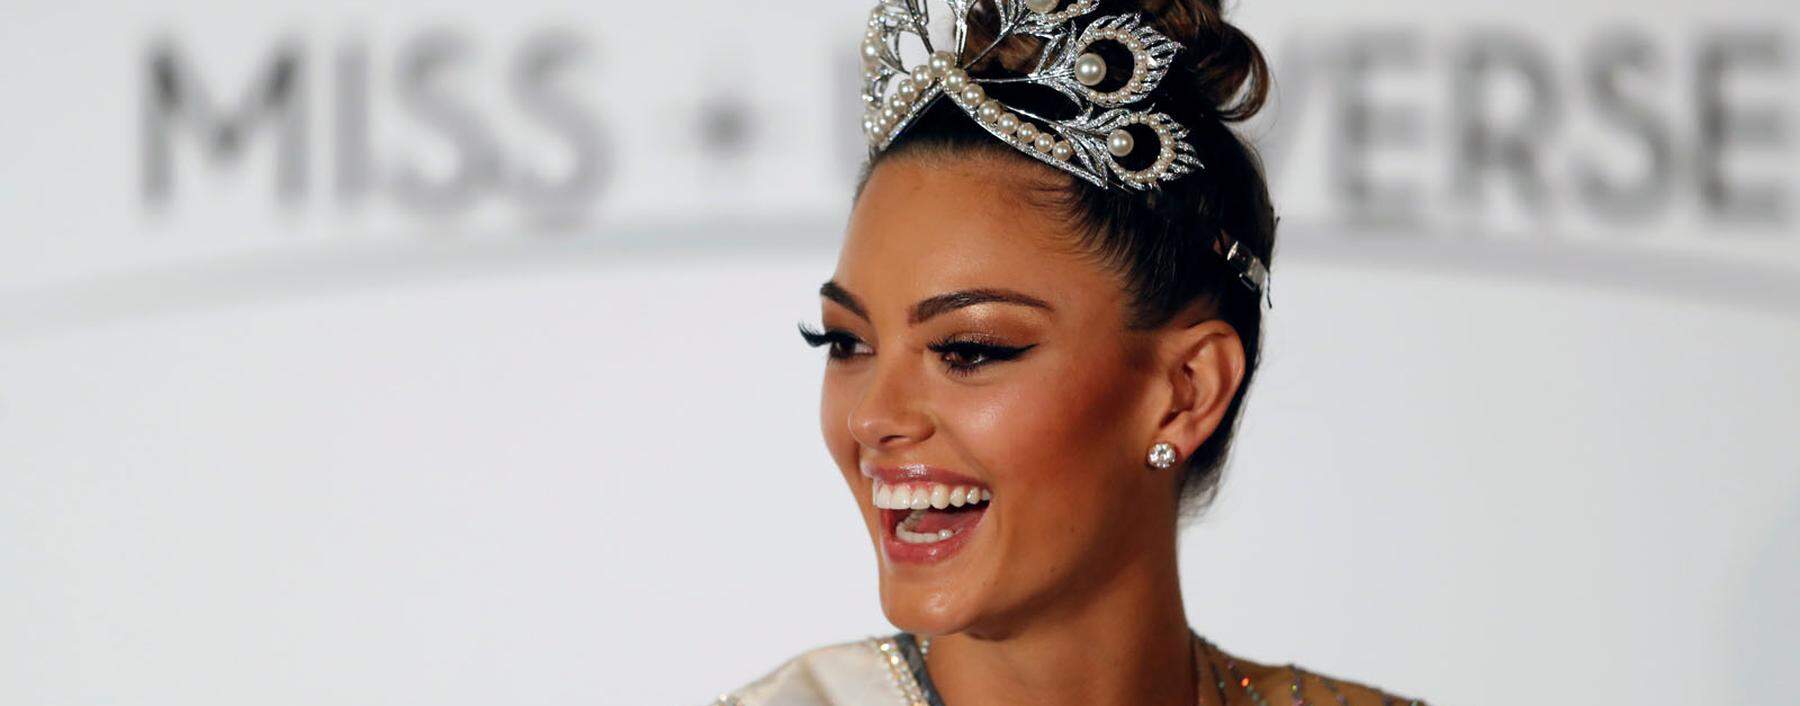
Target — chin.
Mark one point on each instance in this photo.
(925, 609)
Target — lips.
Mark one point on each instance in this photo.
(927, 514)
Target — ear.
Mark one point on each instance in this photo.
(1203, 366)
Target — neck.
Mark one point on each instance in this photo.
(1125, 642)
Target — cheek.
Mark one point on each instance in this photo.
(1056, 438)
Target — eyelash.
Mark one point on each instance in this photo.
(838, 339)
(986, 352)
(989, 353)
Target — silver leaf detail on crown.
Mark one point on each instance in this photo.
(1107, 125)
(1088, 145)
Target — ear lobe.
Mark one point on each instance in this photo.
(1205, 371)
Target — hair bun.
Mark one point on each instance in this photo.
(1224, 66)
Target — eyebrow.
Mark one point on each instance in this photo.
(937, 304)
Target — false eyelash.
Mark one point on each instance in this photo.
(838, 339)
(990, 353)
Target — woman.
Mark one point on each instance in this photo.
(1042, 324)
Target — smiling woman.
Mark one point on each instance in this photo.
(1045, 316)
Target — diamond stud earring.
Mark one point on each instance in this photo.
(1162, 455)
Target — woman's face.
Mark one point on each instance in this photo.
(974, 350)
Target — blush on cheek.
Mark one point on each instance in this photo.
(1045, 429)
(1053, 449)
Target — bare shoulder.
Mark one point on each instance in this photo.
(1285, 684)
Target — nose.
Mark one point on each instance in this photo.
(891, 411)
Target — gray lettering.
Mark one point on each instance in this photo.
(1723, 126)
(1483, 143)
(175, 94)
(423, 64)
(1363, 126)
(1614, 58)
(533, 84)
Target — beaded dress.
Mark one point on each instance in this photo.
(890, 671)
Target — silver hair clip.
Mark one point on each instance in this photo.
(1247, 265)
(1089, 145)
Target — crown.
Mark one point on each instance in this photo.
(1103, 142)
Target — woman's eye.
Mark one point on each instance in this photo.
(960, 357)
(843, 343)
(964, 357)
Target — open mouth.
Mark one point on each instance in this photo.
(922, 514)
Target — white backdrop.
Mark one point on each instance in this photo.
(492, 439)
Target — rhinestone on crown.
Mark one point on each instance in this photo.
(1089, 145)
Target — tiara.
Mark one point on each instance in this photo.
(1108, 124)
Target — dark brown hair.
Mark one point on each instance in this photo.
(1160, 242)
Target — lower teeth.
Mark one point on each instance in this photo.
(905, 533)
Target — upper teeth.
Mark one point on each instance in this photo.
(918, 496)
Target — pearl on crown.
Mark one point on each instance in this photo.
(1090, 69)
(989, 111)
(955, 79)
(1119, 142)
(941, 61)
